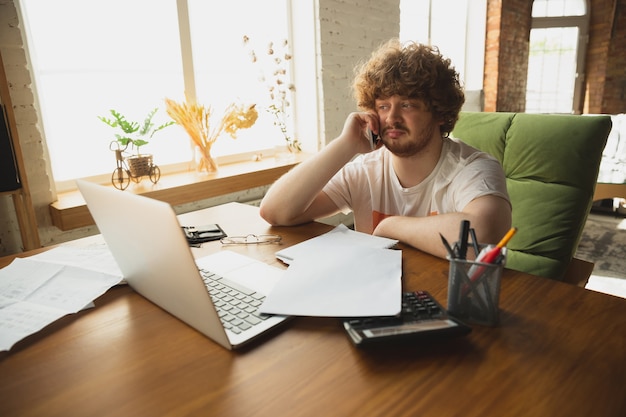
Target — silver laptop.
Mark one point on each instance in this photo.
(149, 246)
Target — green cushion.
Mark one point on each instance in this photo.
(551, 164)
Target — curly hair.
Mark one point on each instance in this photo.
(415, 71)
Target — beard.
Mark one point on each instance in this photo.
(409, 145)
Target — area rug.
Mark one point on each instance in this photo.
(604, 243)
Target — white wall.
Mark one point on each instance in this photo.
(349, 32)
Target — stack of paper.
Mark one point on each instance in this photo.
(342, 273)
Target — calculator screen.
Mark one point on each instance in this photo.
(409, 328)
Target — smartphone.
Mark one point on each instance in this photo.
(373, 138)
(200, 234)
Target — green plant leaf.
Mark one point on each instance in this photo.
(139, 142)
(123, 140)
(163, 126)
(133, 132)
(109, 122)
(147, 123)
(126, 126)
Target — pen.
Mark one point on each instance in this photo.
(448, 248)
(463, 236)
(474, 242)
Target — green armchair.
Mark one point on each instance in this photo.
(551, 164)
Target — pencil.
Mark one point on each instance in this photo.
(506, 237)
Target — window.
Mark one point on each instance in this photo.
(556, 58)
(459, 36)
(89, 57)
(558, 8)
(551, 70)
(223, 68)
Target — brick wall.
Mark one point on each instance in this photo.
(506, 59)
(506, 56)
(614, 99)
(346, 38)
(597, 55)
(492, 49)
(31, 142)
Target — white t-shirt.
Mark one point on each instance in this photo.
(369, 187)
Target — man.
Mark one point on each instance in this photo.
(414, 182)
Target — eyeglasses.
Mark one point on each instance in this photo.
(251, 240)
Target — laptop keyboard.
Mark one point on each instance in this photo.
(237, 306)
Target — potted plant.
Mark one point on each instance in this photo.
(136, 135)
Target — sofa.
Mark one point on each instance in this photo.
(612, 175)
(551, 163)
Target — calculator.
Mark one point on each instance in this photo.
(421, 317)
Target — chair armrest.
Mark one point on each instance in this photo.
(578, 272)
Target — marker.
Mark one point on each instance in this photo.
(491, 256)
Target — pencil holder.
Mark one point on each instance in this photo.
(474, 289)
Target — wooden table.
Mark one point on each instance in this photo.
(560, 351)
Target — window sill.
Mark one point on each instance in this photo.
(70, 212)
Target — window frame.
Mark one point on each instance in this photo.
(306, 82)
(582, 23)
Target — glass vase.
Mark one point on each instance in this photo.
(203, 162)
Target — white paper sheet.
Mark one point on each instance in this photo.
(340, 281)
(340, 235)
(34, 294)
(607, 285)
(95, 257)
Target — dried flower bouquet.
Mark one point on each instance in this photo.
(196, 120)
(278, 85)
